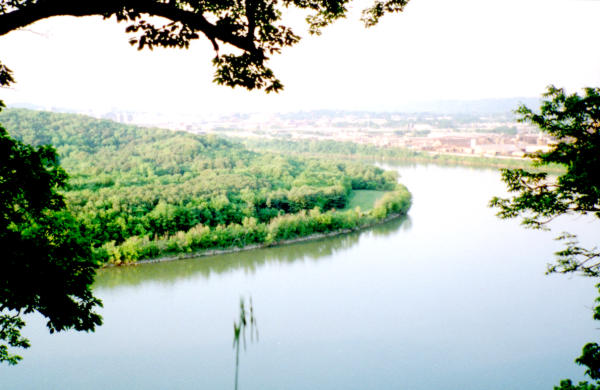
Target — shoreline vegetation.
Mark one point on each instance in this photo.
(354, 151)
(281, 229)
(235, 249)
(285, 229)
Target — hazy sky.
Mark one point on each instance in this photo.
(436, 49)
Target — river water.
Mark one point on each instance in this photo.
(449, 297)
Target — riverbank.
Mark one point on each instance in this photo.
(251, 233)
(222, 251)
(203, 240)
(352, 151)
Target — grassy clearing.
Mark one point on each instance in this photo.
(365, 199)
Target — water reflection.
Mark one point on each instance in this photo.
(249, 261)
(458, 301)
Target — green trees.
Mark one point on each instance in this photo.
(133, 203)
(574, 122)
(47, 264)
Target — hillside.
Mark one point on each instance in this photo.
(136, 189)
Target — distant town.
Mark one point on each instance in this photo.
(488, 129)
(487, 135)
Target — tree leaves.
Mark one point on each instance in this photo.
(245, 71)
(371, 15)
(47, 263)
(251, 26)
(10, 326)
(574, 123)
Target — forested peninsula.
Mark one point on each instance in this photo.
(146, 193)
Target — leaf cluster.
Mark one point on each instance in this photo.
(573, 121)
(590, 358)
(47, 263)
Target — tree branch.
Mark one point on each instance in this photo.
(43, 9)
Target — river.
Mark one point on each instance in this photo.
(449, 297)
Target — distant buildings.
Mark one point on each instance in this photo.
(465, 134)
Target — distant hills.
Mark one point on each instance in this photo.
(480, 106)
(453, 107)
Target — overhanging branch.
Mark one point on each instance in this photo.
(44, 9)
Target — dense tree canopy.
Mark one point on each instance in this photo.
(143, 192)
(252, 27)
(47, 264)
